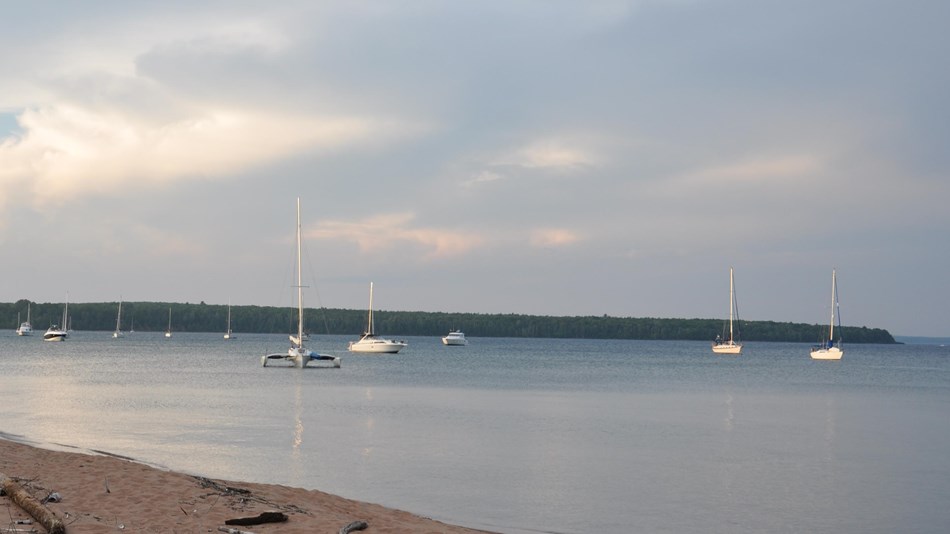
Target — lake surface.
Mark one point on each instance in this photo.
(520, 435)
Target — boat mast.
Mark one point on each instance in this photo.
(370, 308)
(299, 284)
(834, 293)
(732, 304)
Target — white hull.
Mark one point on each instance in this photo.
(455, 339)
(55, 335)
(117, 335)
(727, 348)
(377, 346)
(299, 358)
(24, 330)
(834, 353)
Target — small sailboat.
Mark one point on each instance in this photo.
(26, 327)
(168, 331)
(118, 322)
(227, 333)
(298, 355)
(54, 332)
(729, 345)
(370, 342)
(830, 349)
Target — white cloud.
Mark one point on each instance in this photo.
(79, 151)
(393, 231)
(553, 154)
(757, 170)
(553, 237)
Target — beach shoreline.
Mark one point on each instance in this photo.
(101, 492)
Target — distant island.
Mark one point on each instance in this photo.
(186, 317)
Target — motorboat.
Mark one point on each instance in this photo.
(455, 338)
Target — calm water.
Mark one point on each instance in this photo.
(521, 435)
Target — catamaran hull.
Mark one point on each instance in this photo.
(300, 360)
(834, 353)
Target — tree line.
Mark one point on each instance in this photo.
(186, 317)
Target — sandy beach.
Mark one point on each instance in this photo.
(104, 493)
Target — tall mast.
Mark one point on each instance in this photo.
(731, 303)
(299, 284)
(834, 292)
(371, 331)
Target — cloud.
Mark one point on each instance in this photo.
(393, 231)
(553, 154)
(760, 170)
(553, 237)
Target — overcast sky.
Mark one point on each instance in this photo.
(538, 157)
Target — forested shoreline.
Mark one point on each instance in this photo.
(186, 317)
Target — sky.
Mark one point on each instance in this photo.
(533, 157)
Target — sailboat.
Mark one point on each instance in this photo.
(54, 332)
(25, 328)
(298, 355)
(168, 332)
(227, 333)
(118, 322)
(369, 342)
(730, 345)
(829, 348)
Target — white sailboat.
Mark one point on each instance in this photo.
(369, 342)
(54, 332)
(730, 345)
(118, 322)
(829, 348)
(298, 355)
(26, 327)
(227, 333)
(168, 331)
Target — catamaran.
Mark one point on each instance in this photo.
(729, 345)
(298, 355)
(370, 342)
(830, 349)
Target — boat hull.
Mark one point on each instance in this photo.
(834, 353)
(377, 347)
(727, 348)
(454, 342)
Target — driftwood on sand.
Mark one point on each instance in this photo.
(30, 505)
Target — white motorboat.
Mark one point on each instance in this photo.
(829, 349)
(298, 355)
(729, 345)
(370, 342)
(55, 332)
(26, 327)
(455, 338)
